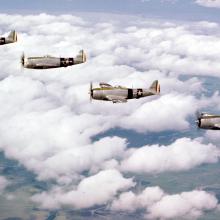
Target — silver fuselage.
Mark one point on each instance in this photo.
(47, 62)
(123, 93)
(5, 40)
(12, 38)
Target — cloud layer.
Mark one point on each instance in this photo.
(209, 3)
(159, 205)
(94, 190)
(49, 125)
(183, 154)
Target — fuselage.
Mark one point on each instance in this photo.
(47, 62)
(12, 38)
(124, 93)
(4, 40)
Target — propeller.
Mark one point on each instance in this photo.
(91, 91)
(22, 59)
(83, 56)
(198, 117)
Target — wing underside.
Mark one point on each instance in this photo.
(116, 99)
(217, 126)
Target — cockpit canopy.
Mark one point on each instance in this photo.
(105, 85)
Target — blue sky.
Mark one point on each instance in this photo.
(187, 9)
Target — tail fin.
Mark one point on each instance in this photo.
(155, 87)
(13, 36)
(81, 57)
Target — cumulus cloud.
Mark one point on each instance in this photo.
(94, 190)
(129, 201)
(159, 205)
(209, 3)
(185, 205)
(183, 154)
(101, 154)
(49, 125)
(171, 104)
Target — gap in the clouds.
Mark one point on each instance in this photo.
(204, 177)
(136, 139)
(22, 185)
(19, 175)
(100, 212)
(210, 83)
(211, 86)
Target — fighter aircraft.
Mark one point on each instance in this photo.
(119, 94)
(12, 38)
(47, 62)
(208, 121)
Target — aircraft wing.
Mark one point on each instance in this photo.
(217, 126)
(116, 99)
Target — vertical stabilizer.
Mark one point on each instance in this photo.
(155, 87)
(12, 36)
(81, 57)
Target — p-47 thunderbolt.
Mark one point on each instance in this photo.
(208, 121)
(47, 62)
(119, 94)
(12, 38)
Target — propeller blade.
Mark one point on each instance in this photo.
(22, 59)
(198, 117)
(91, 91)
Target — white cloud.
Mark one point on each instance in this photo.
(94, 190)
(209, 3)
(129, 201)
(175, 105)
(48, 124)
(91, 158)
(159, 205)
(189, 205)
(183, 154)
